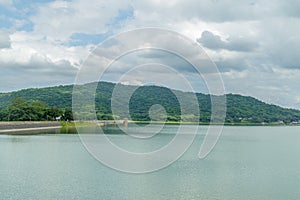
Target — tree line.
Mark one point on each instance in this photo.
(52, 102)
(20, 110)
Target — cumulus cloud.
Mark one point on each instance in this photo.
(281, 41)
(37, 72)
(58, 20)
(212, 41)
(216, 10)
(254, 43)
(32, 62)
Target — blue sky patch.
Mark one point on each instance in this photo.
(123, 15)
(82, 39)
(21, 11)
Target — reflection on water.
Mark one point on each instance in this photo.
(247, 163)
(68, 130)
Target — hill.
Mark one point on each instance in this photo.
(239, 108)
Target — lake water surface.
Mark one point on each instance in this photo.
(247, 163)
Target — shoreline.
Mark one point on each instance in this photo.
(31, 127)
(216, 124)
(37, 124)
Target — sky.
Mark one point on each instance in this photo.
(254, 43)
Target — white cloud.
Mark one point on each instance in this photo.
(58, 20)
(216, 10)
(36, 72)
(132, 82)
(254, 43)
(32, 61)
(212, 41)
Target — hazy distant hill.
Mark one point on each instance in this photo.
(239, 108)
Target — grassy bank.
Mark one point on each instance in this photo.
(74, 124)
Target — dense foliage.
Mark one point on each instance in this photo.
(20, 110)
(49, 103)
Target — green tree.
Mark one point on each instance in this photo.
(3, 115)
(68, 115)
(52, 113)
(18, 110)
(37, 110)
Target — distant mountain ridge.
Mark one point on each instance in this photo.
(239, 108)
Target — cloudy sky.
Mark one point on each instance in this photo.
(254, 43)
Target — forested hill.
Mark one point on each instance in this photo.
(239, 108)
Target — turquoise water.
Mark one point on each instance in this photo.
(247, 163)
